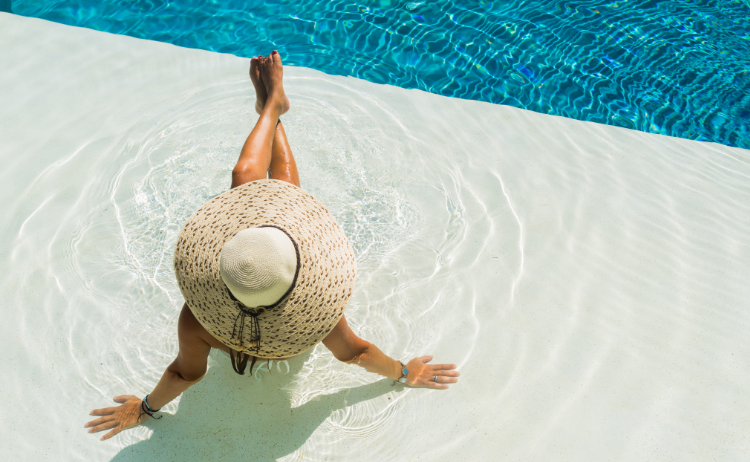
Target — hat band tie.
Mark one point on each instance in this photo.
(238, 330)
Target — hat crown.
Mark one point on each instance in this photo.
(258, 265)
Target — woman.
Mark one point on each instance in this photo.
(266, 273)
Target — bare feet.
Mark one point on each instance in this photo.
(271, 75)
(260, 89)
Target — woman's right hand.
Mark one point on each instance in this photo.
(122, 417)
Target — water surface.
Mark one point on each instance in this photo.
(671, 67)
(589, 281)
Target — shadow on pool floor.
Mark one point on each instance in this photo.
(231, 417)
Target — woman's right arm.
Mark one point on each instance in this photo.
(187, 369)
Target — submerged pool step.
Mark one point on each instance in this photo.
(588, 280)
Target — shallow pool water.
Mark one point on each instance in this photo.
(589, 281)
(671, 67)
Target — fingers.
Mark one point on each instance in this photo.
(436, 380)
(436, 385)
(426, 359)
(116, 418)
(105, 411)
(104, 426)
(110, 434)
(99, 421)
(447, 373)
(443, 379)
(443, 367)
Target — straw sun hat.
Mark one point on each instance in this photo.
(265, 269)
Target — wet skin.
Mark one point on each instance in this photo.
(265, 154)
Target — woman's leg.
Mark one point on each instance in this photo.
(256, 155)
(282, 165)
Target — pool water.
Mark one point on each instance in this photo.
(589, 281)
(670, 67)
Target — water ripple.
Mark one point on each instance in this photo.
(589, 281)
(673, 68)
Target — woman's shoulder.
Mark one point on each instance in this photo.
(191, 331)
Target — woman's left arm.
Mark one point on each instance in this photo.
(348, 348)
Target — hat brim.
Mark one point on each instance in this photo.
(324, 284)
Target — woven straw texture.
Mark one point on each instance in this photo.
(324, 284)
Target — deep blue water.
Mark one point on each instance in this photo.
(678, 68)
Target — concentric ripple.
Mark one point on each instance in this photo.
(590, 282)
(183, 158)
(674, 68)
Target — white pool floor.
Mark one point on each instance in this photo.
(591, 282)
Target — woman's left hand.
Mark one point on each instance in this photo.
(423, 375)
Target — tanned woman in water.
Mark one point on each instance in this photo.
(266, 273)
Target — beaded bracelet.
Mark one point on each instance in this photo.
(148, 410)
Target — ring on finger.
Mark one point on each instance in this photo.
(434, 378)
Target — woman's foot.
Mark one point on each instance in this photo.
(271, 75)
(260, 89)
